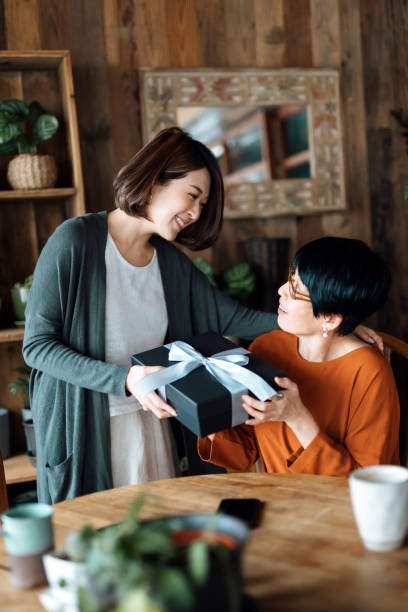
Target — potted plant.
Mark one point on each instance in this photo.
(20, 387)
(237, 280)
(175, 563)
(19, 297)
(22, 128)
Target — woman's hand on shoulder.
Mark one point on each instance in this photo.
(370, 336)
(151, 402)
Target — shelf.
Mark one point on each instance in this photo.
(19, 469)
(31, 194)
(14, 334)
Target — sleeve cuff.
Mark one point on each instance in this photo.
(304, 459)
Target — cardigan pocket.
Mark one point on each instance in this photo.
(59, 479)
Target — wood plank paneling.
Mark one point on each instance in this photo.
(182, 34)
(269, 33)
(22, 25)
(355, 144)
(210, 39)
(55, 25)
(298, 44)
(92, 101)
(239, 18)
(385, 80)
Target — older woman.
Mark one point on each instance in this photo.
(339, 408)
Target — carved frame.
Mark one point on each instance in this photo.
(164, 90)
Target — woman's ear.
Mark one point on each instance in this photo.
(332, 322)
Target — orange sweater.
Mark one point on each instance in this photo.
(352, 398)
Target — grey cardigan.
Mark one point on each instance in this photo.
(64, 343)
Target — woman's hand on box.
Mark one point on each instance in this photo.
(151, 402)
(286, 406)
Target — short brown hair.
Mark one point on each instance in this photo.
(171, 155)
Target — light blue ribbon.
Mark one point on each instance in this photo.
(226, 367)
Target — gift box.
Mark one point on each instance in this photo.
(204, 404)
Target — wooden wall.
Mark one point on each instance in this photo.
(367, 40)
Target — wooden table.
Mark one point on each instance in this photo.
(305, 555)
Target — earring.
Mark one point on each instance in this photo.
(325, 334)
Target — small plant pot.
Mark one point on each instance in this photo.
(64, 577)
(32, 171)
(19, 297)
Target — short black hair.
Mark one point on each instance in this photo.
(343, 276)
(171, 155)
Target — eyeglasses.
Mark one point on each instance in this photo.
(293, 292)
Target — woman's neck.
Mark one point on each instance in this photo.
(131, 236)
(318, 349)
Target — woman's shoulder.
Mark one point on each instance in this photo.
(368, 358)
(76, 230)
(274, 341)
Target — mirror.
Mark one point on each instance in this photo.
(252, 143)
(276, 133)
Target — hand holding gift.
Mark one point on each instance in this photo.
(285, 406)
(152, 401)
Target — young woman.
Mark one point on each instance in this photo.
(339, 408)
(107, 286)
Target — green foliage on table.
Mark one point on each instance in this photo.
(405, 192)
(23, 127)
(136, 565)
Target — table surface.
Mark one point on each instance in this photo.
(305, 555)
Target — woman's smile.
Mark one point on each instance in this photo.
(182, 224)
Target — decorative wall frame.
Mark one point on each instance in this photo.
(164, 90)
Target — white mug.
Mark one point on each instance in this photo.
(379, 496)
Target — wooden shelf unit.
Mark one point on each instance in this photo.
(19, 469)
(14, 334)
(29, 217)
(36, 194)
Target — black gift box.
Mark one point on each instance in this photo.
(202, 403)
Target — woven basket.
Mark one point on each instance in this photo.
(32, 171)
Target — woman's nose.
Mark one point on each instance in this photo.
(195, 211)
(283, 289)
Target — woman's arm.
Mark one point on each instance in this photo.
(233, 449)
(372, 430)
(55, 312)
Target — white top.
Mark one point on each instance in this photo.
(136, 315)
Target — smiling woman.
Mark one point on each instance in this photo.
(108, 286)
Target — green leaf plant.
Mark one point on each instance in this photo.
(238, 280)
(20, 386)
(137, 565)
(23, 127)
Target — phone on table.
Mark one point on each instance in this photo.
(245, 508)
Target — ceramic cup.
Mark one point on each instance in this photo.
(379, 496)
(28, 534)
